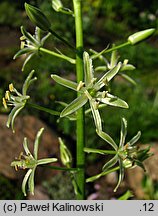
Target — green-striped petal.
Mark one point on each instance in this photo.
(67, 83)
(74, 105)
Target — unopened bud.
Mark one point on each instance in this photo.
(37, 17)
(57, 5)
(141, 35)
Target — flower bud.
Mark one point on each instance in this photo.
(127, 163)
(57, 5)
(141, 35)
(65, 154)
(37, 17)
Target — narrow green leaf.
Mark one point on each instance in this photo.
(113, 101)
(74, 105)
(108, 76)
(67, 83)
(108, 139)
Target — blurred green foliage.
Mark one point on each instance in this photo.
(9, 190)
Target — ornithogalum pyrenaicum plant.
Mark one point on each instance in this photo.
(92, 89)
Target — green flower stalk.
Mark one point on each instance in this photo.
(127, 155)
(16, 99)
(30, 161)
(89, 90)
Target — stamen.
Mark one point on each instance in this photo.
(7, 95)
(4, 103)
(80, 85)
(11, 87)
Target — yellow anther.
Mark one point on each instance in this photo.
(7, 95)
(11, 87)
(125, 61)
(22, 38)
(4, 103)
(22, 45)
(16, 167)
(80, 85)
(96, 105)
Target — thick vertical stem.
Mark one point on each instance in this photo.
(80, 114)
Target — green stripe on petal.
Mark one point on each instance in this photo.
(31, 184)
(24, 51)
(25, 181)
(37, 140)
(25, 145)
(108, 76)
(113, 101)
(135, 139)
(110, 163)
(123, 132)
(88, 69)
(46, 161)
(108, 139)
(74, 105)
(29, 37)
(67, 83)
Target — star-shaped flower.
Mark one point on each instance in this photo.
(30, 161)
(127, 155)
(30, 44)
(17, 99)
(90, 91)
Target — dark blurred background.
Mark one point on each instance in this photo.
(105, 21)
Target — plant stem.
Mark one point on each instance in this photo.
(61, 168)
(100, 151)
(71, 60)
(110, 50)
(52, 112)
(80, 127)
